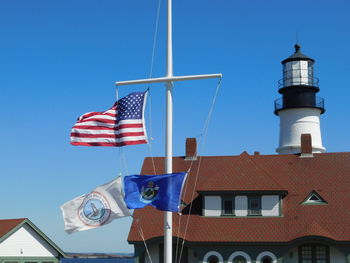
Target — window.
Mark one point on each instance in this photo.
(254, 205)
(239, 259)
(266, 259)
(314, 254)
(227, 206)
(314, 199)
(213, 259)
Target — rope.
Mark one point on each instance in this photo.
(143, 239)
(155, 39)
(150, 122)
(150, 148)
(149, 88)
(202, 138)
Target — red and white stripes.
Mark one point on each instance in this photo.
(104, 129)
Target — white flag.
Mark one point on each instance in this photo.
(104, 204)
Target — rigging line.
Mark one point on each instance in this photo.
(155, 39)
(205, 130)
(143, 239)
(149, 88)
(123, 159)
(180, 216)
(151, 131)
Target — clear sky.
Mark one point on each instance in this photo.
(60, 59)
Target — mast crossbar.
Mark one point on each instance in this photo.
(168, 79)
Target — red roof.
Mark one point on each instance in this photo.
(6, 225)
(328, 174)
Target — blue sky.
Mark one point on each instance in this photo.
(60, 59)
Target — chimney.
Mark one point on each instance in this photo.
(191, 149)
(306, 145)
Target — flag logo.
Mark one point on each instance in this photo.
(95, 210)
(149, 193)
(163, 191)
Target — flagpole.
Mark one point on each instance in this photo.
(168, 217)
(168, 80)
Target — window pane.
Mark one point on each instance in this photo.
(228, 207)
(213, 259)
(306, 252)
(266, 259)
(239, 259)
(254, 206)
(321, 254)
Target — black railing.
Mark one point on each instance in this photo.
(297, 81)
(317, 103)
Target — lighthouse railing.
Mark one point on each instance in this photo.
(298, 81)
(281, 105)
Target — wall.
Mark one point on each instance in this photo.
(25, 242)
(335, 256)
(154, 253)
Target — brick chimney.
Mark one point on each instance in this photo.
(191, 149)
(306, 145)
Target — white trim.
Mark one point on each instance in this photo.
(239, 253)
(266, 253)
(213, 253)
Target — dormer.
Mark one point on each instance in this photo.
(242, 204)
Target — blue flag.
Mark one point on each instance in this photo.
(161, 191)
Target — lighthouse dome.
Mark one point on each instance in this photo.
(297, 56)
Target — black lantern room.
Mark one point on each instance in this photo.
(298, 86)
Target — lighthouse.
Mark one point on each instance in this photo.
(299, 109)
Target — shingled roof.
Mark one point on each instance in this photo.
(328, 174)
(6, 225)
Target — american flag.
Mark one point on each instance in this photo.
(123, 124)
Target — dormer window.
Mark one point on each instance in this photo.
(227, 206)
(254, 205)
(314, 199)
(242, 205)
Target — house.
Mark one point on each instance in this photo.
(22, 242)
(290, 207)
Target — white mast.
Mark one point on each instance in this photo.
(168, 217)
(168, 80)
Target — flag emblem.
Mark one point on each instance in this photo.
(95, 210)
(149, 193)
(163, 191)
(121, 125)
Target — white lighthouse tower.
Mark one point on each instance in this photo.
(299, 108)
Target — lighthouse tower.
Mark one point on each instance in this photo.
(299, 108)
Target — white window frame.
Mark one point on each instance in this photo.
(213, 253)
(239, 253)
(266, 253)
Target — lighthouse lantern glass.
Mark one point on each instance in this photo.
(297, 73)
